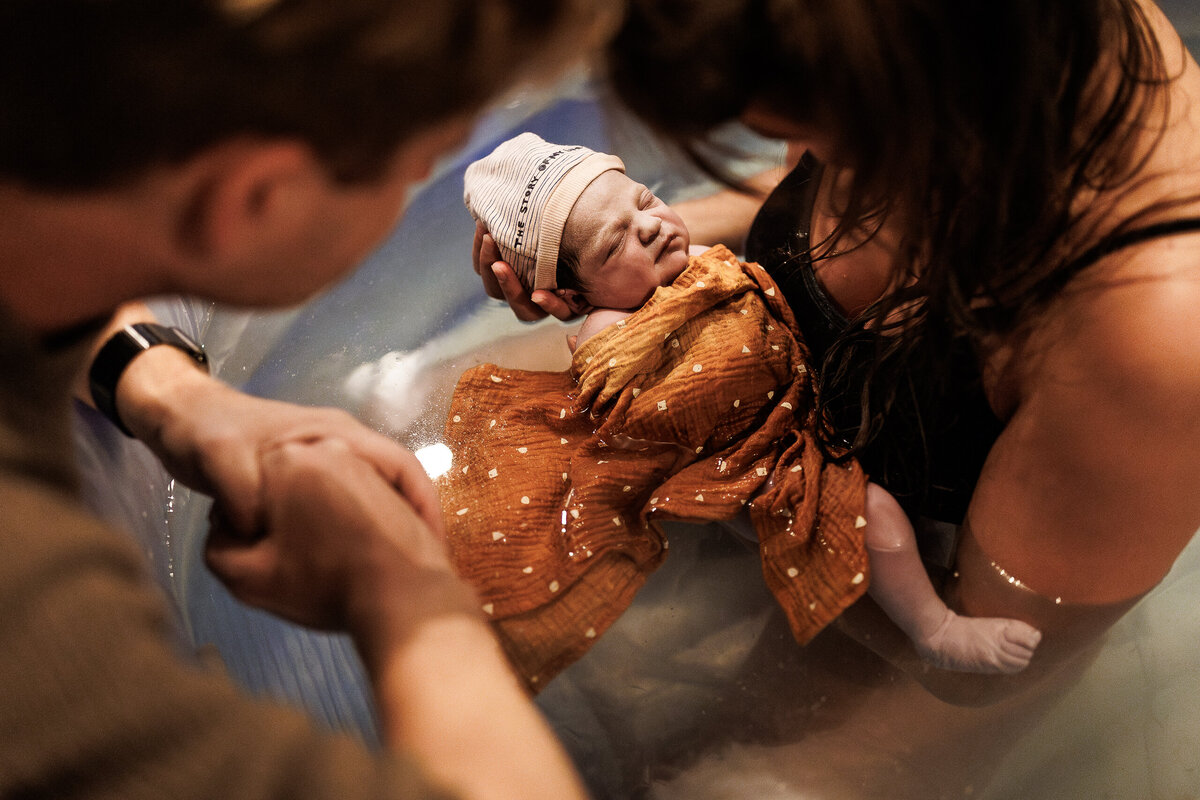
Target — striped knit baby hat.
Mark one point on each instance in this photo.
(523, 193)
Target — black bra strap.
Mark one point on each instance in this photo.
(1130, 238)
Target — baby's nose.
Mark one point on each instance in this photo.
(648, 227)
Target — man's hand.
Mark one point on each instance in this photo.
(219, 440)
(337, 548)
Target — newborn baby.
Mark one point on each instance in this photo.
(568, 219)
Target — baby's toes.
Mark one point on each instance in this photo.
(1017, 647)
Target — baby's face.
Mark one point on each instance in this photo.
(627, 240)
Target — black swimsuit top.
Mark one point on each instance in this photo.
(956, 442)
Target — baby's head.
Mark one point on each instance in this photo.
(568, 220)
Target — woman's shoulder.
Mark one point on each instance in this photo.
(1132, 316)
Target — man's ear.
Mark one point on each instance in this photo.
(574, 300)
(248, 195)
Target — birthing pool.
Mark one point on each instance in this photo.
(698, 691)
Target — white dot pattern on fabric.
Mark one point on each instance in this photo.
(562, 414)
(786, 405)
(636, 392)
(617, 521)
(562, 440)
(574, 513)
(497, 536)
(857, 579)
(528, 570)
(492, 424)
(553, 586)
(700, 498)
(496, 379)
(675, 343)
(770, 291)
(493, 472)
(745, 349)
(737, 403)
(700, 284)
(590, 633)
(860, 521)
(489, 609)
(662, 405)
(522, 450)
(457, 418)
(761, 472)
(525, 500)
(697, 367)
(770, 395)
(793, 572)
(462, 511)
(612, 362)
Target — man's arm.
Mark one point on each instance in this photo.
(329, 524)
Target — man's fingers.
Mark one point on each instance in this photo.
(402, 470)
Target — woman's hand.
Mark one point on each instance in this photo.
(501, 283)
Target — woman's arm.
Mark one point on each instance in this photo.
(1091, 492)
(725, 217)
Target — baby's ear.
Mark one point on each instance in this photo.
(574, 300)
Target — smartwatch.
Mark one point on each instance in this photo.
(125, 345)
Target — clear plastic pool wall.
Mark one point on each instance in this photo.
(698, 691)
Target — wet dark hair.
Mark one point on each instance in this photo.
(95, 92)
(566, 272)
(962, 123)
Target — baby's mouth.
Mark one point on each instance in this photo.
(666, 245)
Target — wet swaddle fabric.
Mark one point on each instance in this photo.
(697, 406)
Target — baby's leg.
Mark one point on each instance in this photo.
(902, 588)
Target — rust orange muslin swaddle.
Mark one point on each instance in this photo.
(697, 405)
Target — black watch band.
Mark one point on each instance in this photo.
(125, 345)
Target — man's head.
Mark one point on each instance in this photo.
(246, 151)
(97, 91)
(620, 243)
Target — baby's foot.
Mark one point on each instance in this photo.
(980, 644)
